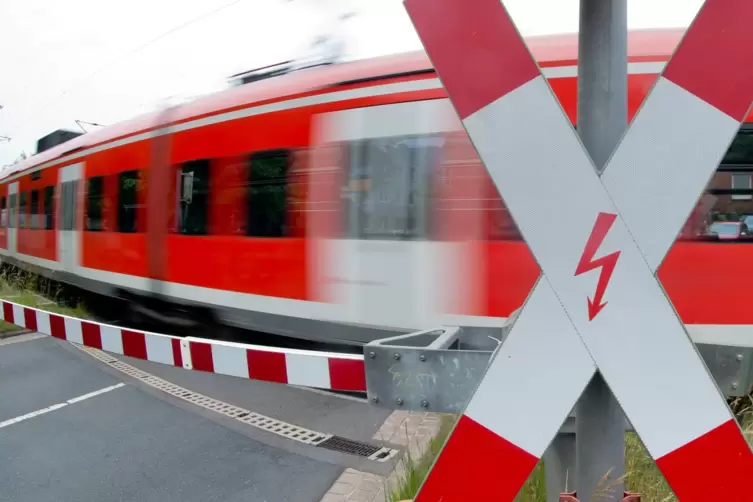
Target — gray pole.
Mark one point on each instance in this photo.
(602, 119)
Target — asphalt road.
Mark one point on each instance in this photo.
(133, 442)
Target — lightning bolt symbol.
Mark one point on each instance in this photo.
(607, 263)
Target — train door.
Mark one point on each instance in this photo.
(383, 263)
(12, 221)
(69, 179)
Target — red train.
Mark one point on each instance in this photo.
(338, 203)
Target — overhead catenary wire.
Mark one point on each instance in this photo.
(133, 51)
(31, 117)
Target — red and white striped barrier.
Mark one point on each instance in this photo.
(323, 370)
(598, 302)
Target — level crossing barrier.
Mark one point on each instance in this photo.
(434, 369)
(324, 370)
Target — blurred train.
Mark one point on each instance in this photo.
(342, 202)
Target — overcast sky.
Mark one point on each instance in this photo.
(105, 61)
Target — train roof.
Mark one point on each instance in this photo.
(548, 50)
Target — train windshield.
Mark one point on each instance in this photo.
(725, 228)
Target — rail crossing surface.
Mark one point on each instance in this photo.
(77, 423)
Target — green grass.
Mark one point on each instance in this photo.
(25, 288)
(641, 474)
(415, 470)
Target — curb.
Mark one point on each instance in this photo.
(414, 430)
(12, 334)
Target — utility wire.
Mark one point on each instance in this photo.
(132, 52)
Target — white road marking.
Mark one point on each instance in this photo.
(59, 405)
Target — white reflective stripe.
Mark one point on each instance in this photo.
(229, 360)
(43, 322)
(312, 371)
(542, 356)
(509, 132)
(73, 330)
(18, 316)
(674, 146)
(185, 354)
(112, 338)
(159, 349)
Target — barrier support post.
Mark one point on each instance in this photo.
(559, 462)
(602, 120)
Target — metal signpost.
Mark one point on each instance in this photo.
(597, 306)
(602, 119)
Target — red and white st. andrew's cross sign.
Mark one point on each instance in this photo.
(598, 242)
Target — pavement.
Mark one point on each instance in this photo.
(79, 428)
(413, 430)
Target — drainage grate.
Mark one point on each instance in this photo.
(370, 451)
(272, 425)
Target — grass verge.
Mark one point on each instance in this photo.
(25, 288)
(641, 474)
(412, 472)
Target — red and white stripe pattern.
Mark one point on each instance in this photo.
(532, 154)
(324, 370)
(139, 344)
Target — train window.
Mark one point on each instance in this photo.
(94, 196)
(69, 189)
(740, 151)
(3, 212)
(466, 201)
(49, 219)
(387, 191)
(22, 211)
(267, 180)
(34, 209)
(128, 188)
(12, 211)
(36, 175)
(194, 198)
(724, 212)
